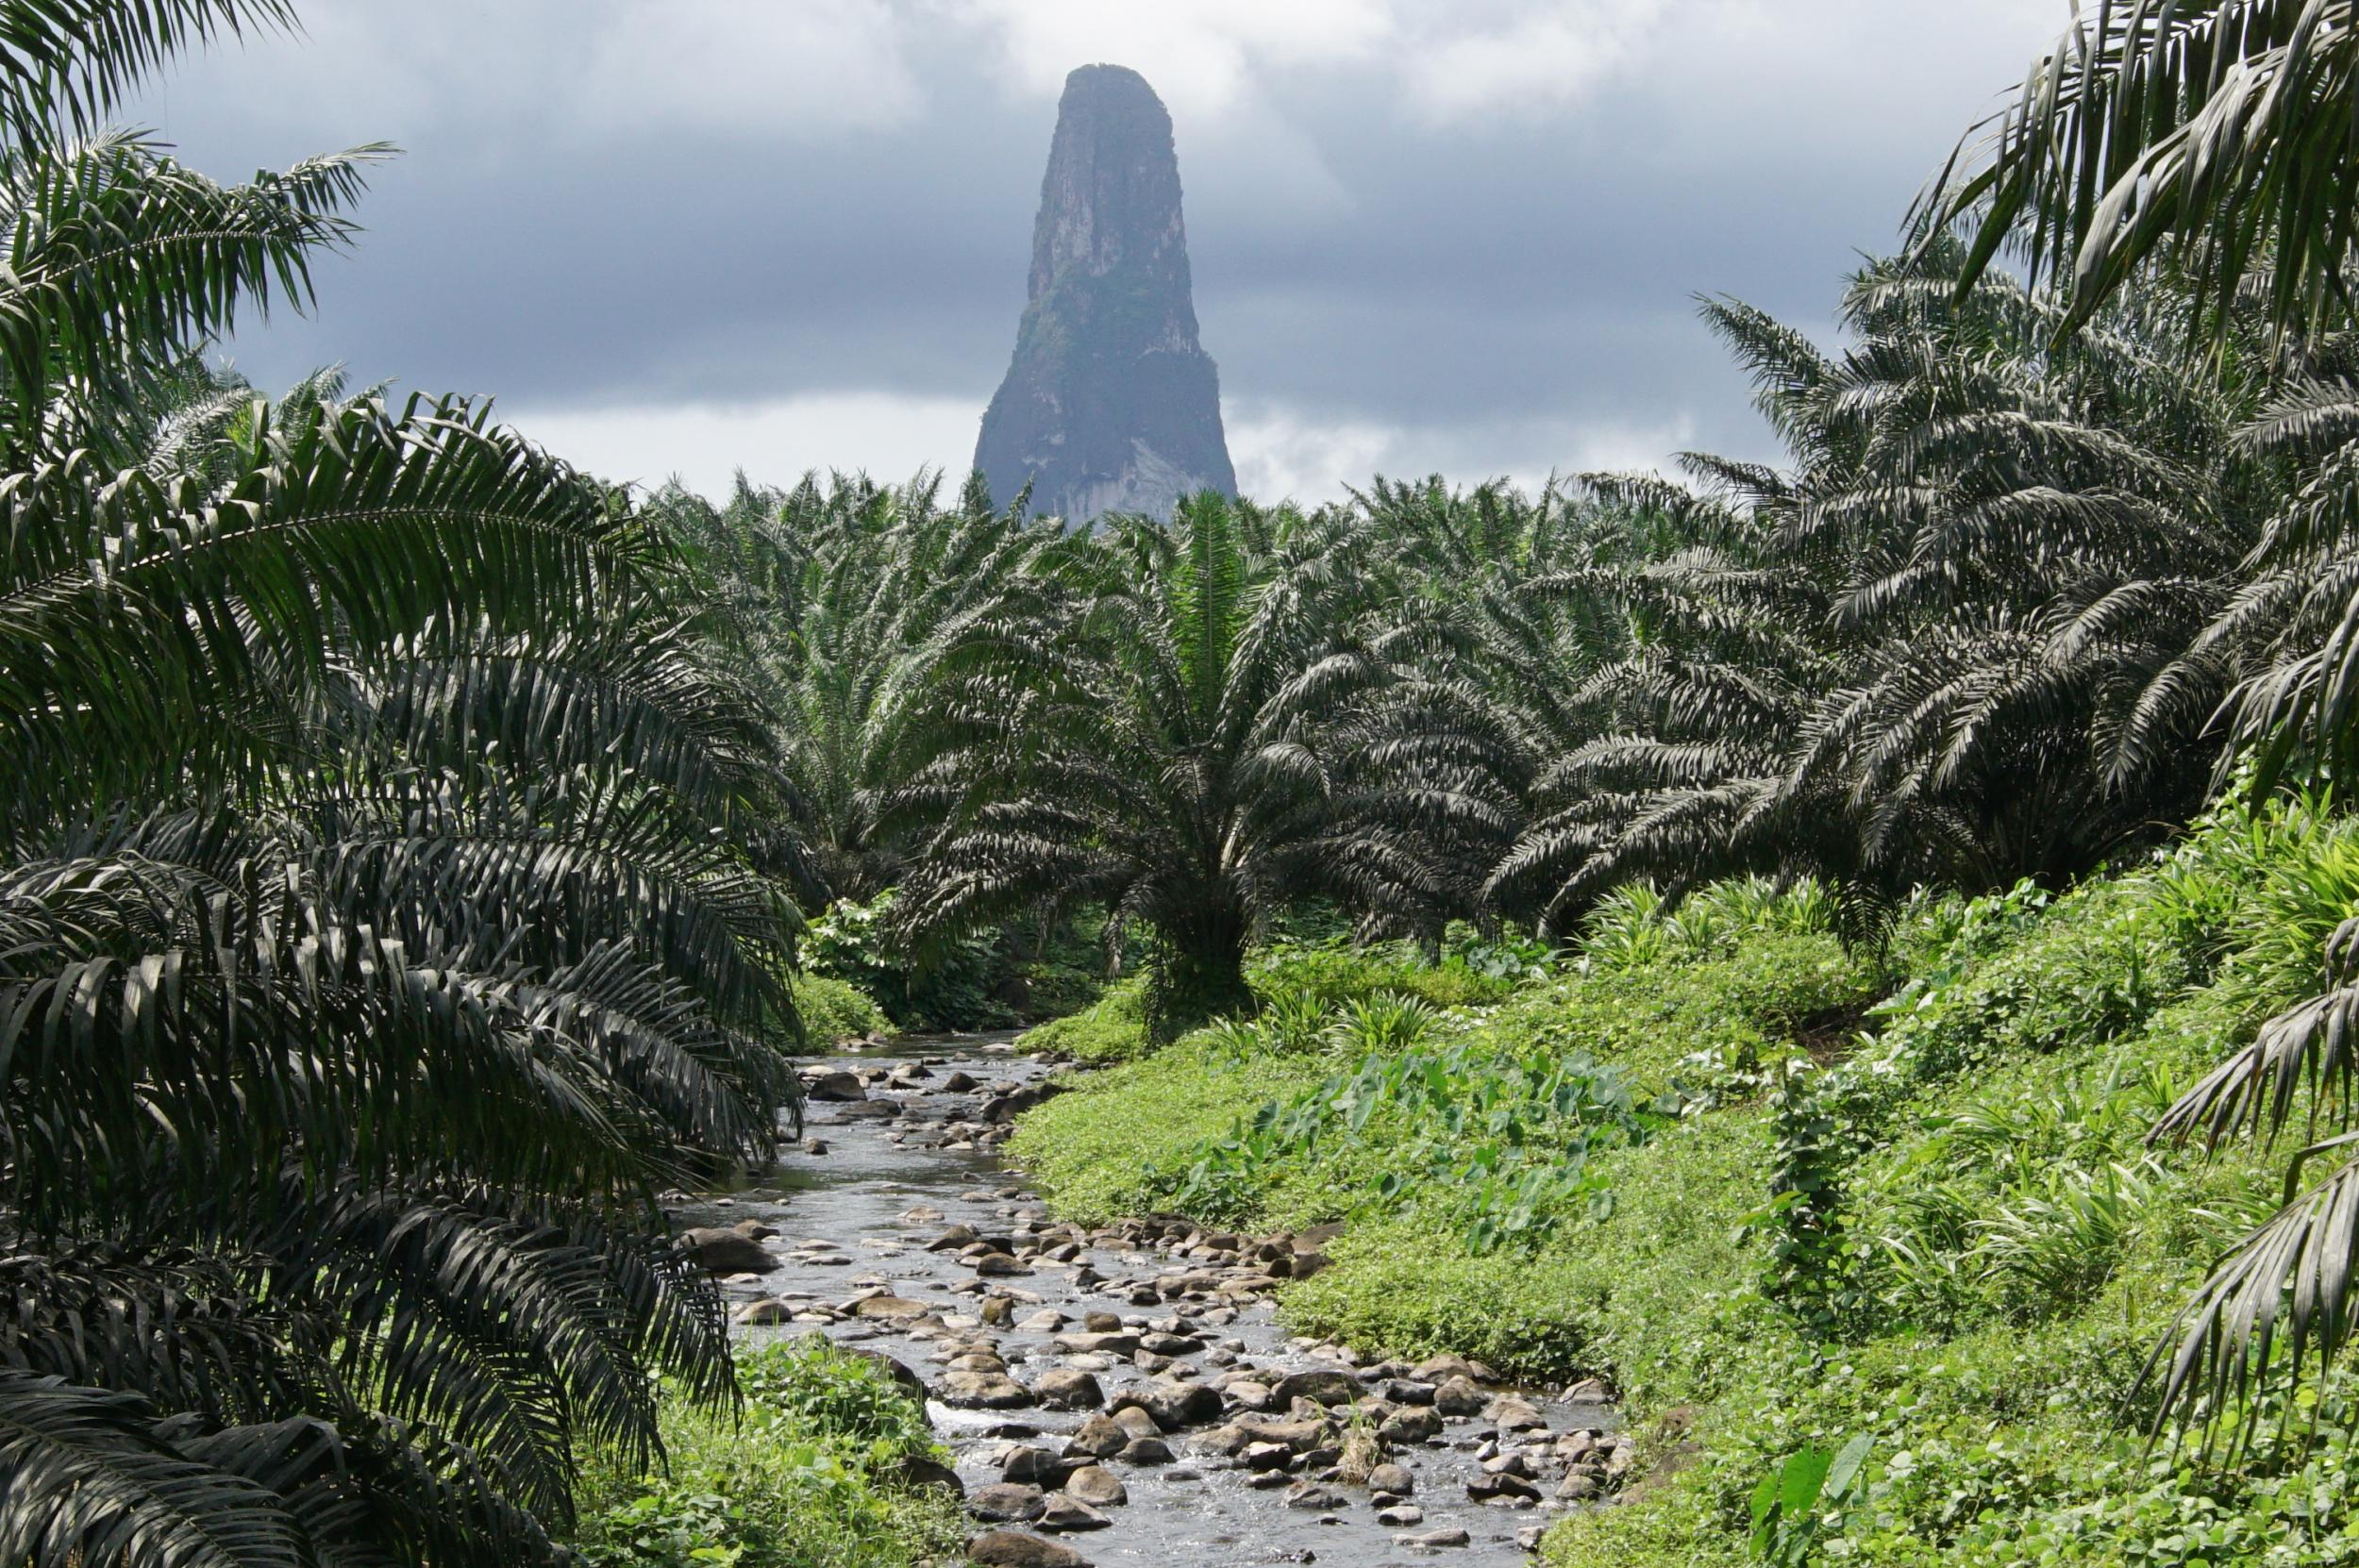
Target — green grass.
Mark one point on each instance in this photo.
(1985, 1253)
(803, 1478)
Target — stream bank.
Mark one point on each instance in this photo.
(1123, 1394)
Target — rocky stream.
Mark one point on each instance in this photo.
(1122, 1395)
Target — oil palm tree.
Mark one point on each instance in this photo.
(1191, 724)
(1953, 644)
(2214, 139)
(389, 893)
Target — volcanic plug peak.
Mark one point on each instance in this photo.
(1109, 404)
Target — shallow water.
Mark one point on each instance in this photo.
(1199, 1512)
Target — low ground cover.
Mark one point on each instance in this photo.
(1795, 1201)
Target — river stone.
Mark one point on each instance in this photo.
(1098, 1437)
(1410, 1426)
(1146, 1450)
(1015, 1549)
(998, 1265)
(1134, 1421)
(1400, 1515)
(1172, 1405)
(726, 1252)
(1577, 1487)
(1064, 1389)
(1027, 1464)
(915, 1470)
(869, 1110)
(956, 1237)
(896, 1307)
(1070, 1514)
(838, 1086)
(1309, 1494)
(1515, 1416)
(1393, 1478)
(1484, 1488)
(1321, 1386)
(1247, 1394)
(1433, 1538)
(990, 1390)
(910, 1382)
(770, 1310)
(1004, 1501)
(1442, 1368)
(1101, 1323)
(1457, 1395)
(1097, 1486)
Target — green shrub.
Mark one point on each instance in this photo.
(834, 1012)
(1112, 1028)
(806, 1478)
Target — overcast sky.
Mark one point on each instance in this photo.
(1454, 236)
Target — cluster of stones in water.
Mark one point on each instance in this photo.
(1308, 1432)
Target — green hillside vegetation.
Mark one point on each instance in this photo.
(1815, 1197)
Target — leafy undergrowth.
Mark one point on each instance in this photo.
(806, 1476)
(1929, 1234)
(1317, 975)
(834, 1012)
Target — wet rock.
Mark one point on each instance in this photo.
(1016, 1549)
(990, 1390)
(1482, 1489)
(1410, 1426)
(1400, 1515)
(1004, 1501)
(1097, 1486)
(1321, 1386)
(1441, 1369)
(1247, 1394)
(755, 1230)
(1393, 1478)
(1065, 1388)
(1030, 1467)
(869, 1110)
(891, 1307)
(1101, 1323)
(1407, 1390)
(1457, 1395)
(835, 1086)
(952, 1239)
(770, 1310)
(1512, 1414)
(1433, 1539)
(726, 1252)
(1172, 1405)
(1268, 1456)
(915, 1470)
(998, 1265)
(1146, 1450)
(1309, 1494)
(1099, 1437)
(1070, 1514)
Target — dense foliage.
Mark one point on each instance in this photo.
(390, 901)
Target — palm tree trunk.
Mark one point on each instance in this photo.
(1198, 972)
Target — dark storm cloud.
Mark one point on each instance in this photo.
(606, 204)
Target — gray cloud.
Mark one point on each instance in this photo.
(1462, 235)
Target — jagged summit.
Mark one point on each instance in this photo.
(1109, 404)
